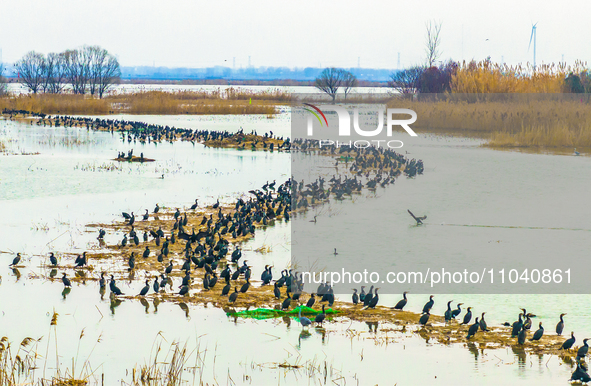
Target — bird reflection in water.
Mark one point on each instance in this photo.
(185, 308)
(145, 304)
(473, 350)
(521, 356)
(102, 292)
(65, 292)
(423, 333)
(373, 326)
(287, 320)
(131, 276)
(156, 304)
(305, 334)
(53, 273)
(115, 302)
(16, 273)
(322, 332)
(81, 274)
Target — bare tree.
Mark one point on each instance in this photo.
(76, 70)
(109, 75)
(30, 71)
(54, 73)
(103, 70)
(349, 81)
(406, 81)
(329, 81)
(87, 69)
(433, 42)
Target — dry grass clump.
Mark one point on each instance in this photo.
(163, 371)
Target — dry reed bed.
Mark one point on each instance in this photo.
(516, 122)
(489, 77)
(230, 101)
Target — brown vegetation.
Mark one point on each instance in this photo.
(229, 101)
(508, 120)
(489, 77)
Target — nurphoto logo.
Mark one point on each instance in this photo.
(345, 120)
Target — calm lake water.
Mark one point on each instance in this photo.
(47, 199)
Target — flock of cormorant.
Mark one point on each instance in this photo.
(206, 251)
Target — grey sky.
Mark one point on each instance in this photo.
(183, 33)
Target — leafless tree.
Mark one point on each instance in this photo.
(54, 71)
(76, 70)
(329, 81)
(109, 75)
(349, 81)
(87, 69)
(30, 71)
(433, 42)
(406, 81)
(103, 71)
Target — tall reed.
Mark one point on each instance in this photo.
(551, 121)
(489, 77)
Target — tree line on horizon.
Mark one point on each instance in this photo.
(87, 70)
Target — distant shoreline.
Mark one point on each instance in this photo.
(228, 82)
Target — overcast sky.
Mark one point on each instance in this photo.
(189, 33)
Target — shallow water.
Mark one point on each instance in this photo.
(64, 188)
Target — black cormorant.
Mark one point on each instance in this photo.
(424, 318)
(145, 290)
(516, 327)
(311, 301)
(473, 329)
(468, 316)
(457, 311)
(66, 281)
(522, 335)
(400, 305)
(286, 302)
(233, 296)
(569, 342)
(320, 317)
(427, 307)
(483, 325)
(538, 334)
(447, 314)
(374, 300)
(584, 349)
(560, 325)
